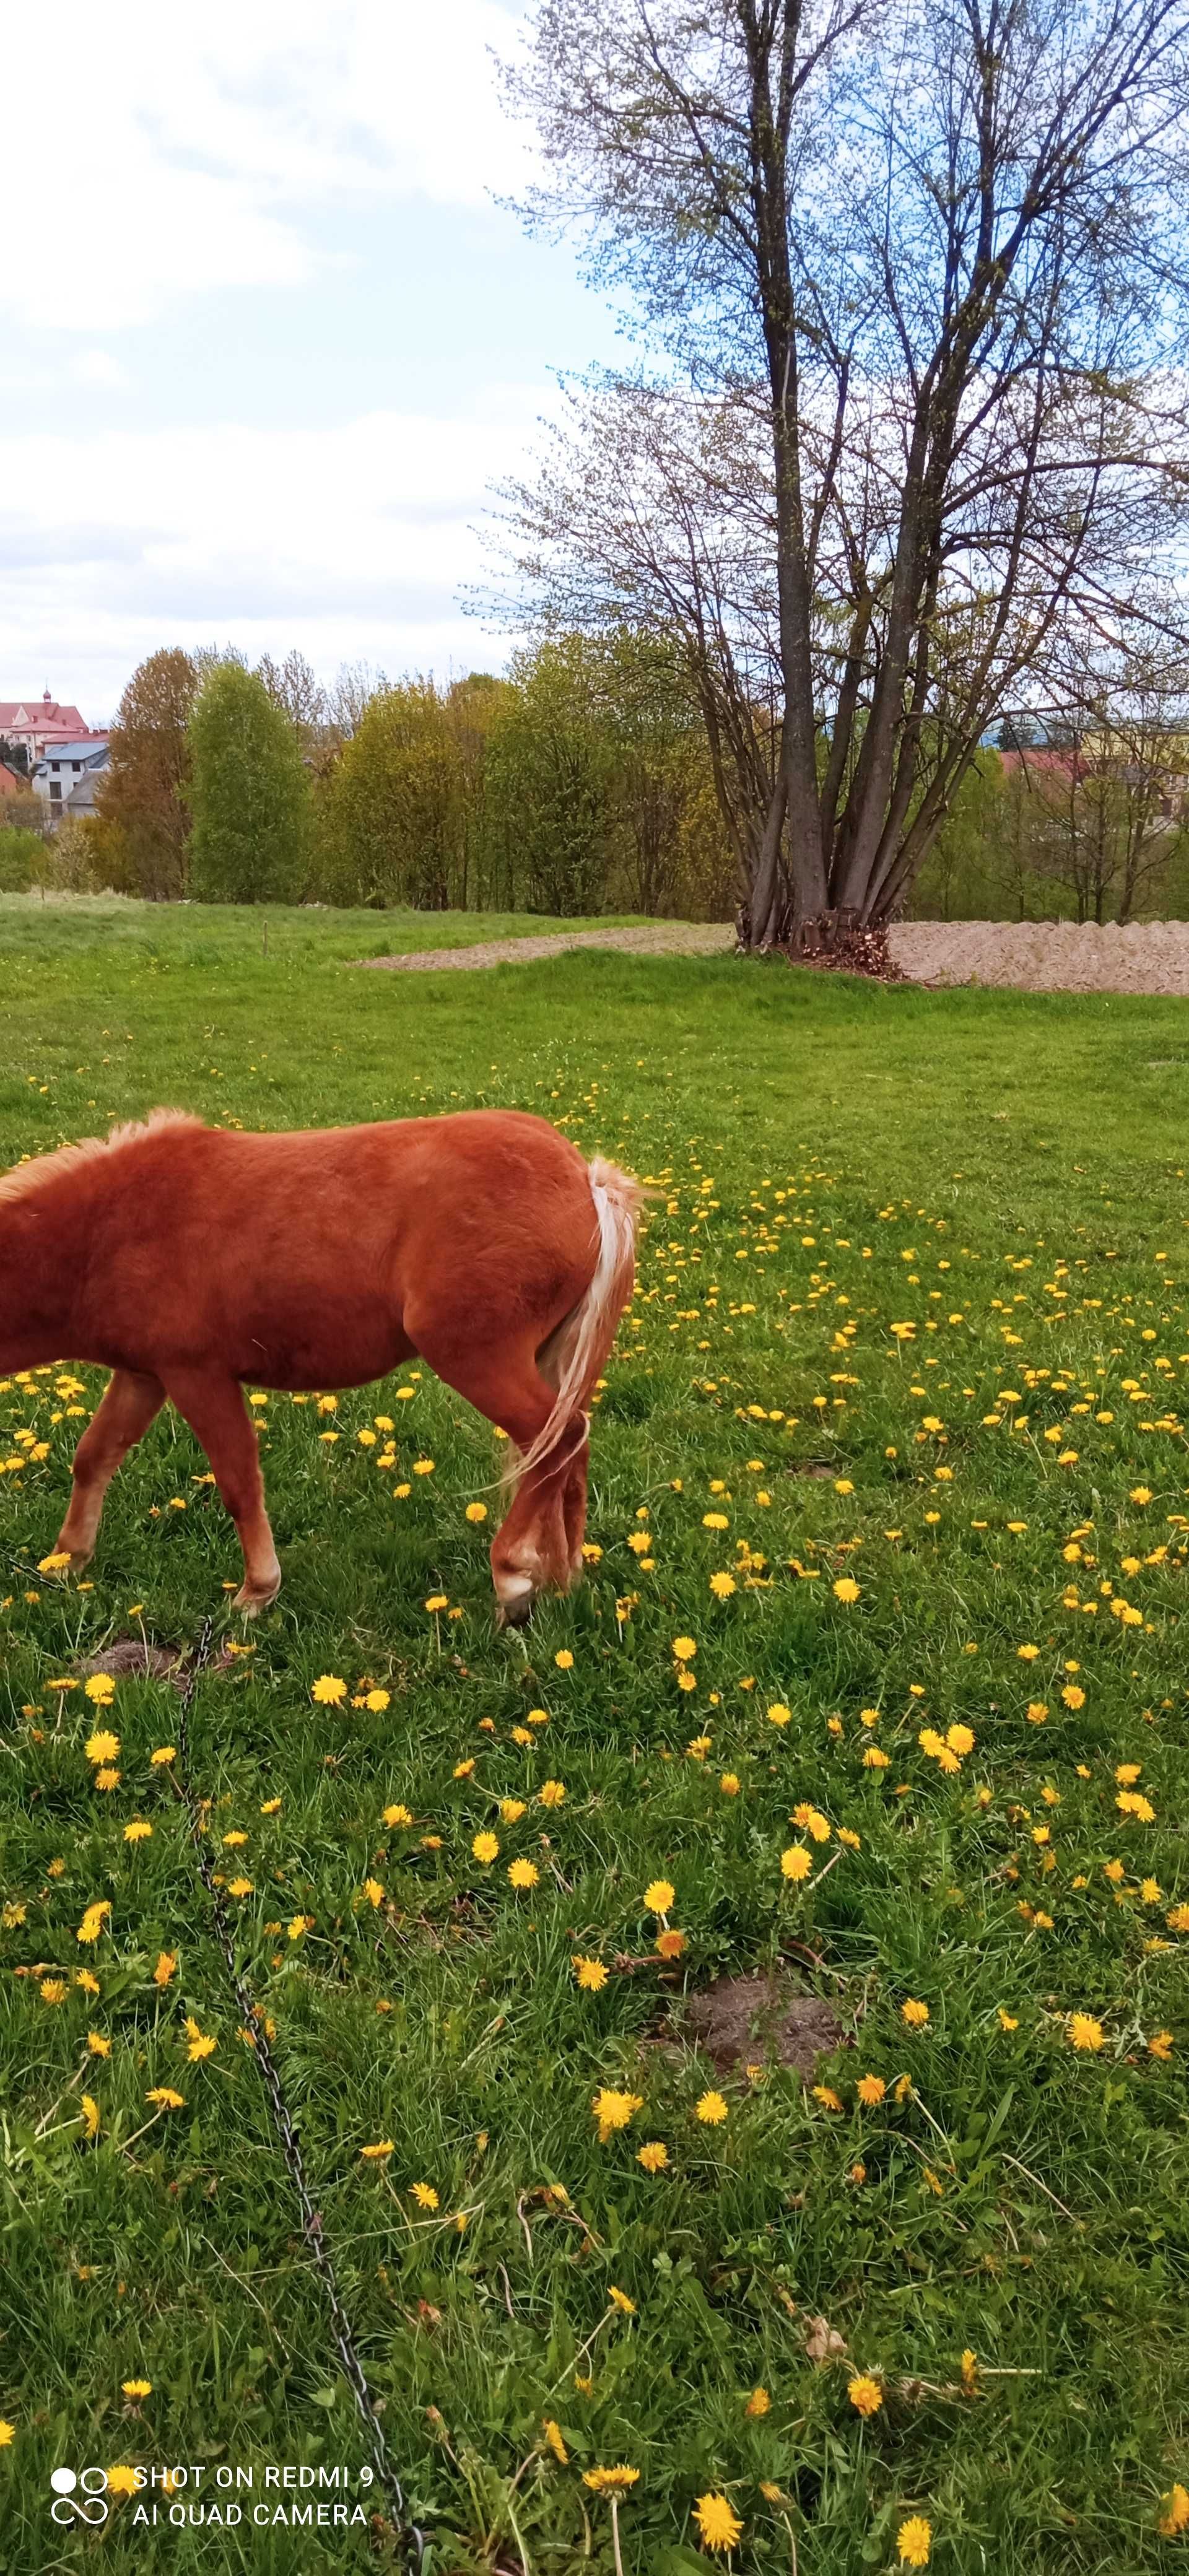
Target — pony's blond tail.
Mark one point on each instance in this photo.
(577, 1348)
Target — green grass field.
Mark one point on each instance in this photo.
(929, 1758)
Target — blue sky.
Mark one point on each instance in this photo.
(264, 335)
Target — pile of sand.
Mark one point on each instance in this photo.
(1046, 956)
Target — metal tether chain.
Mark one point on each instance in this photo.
(411, 2539)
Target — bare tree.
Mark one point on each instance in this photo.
(1109, 805)
(936, 248)
(653, 513)
(294, 687)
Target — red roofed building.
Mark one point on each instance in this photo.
(38, 721)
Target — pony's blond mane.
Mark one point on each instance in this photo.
(42, 1169)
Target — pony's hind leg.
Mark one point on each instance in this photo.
(129, 1404)
(529, 1552)
(215, 1409)
(574, 1500)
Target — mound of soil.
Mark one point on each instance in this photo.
(739, 2019)
(1046, 956)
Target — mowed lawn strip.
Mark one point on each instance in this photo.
(908, 1729)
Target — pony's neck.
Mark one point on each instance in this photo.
(41, 1238)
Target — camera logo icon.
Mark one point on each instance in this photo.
(80, 2495)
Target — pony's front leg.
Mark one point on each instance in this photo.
(215, 1409)
(128, 1405)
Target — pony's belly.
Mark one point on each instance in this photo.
(310, 1358)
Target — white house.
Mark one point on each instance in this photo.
(67, 777)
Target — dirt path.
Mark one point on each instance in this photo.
(659, 938)
(1035, 956)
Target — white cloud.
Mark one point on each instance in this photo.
(351, 540)
(99, 371)
(173, 152)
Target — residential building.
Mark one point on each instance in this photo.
(67, 777)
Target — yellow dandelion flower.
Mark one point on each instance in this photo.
(711, 2108)
(485, 1848)
(914, 2541)
(1085, 2032)
(613, 2110)
(328, 1690)
(659, 1895)
(1175, 2517)
(718, 2524)
(590, 1973)
(866, 2395)
(425, 2195)
(653, 2155)
(916, 2014)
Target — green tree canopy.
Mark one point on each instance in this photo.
(249, 793)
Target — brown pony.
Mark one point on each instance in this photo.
(187, 1259)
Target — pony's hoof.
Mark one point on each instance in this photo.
(79, 1556)
(250, 1601)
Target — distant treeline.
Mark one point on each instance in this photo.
(579, 783)
(583, 782)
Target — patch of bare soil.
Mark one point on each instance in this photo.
(135, 1658)
(1046, 956)
(739, 2019)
